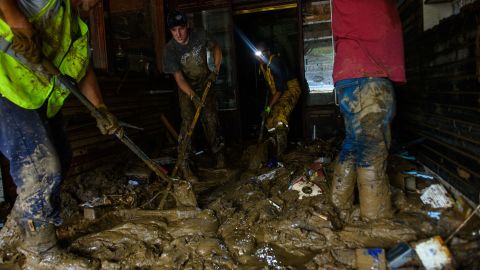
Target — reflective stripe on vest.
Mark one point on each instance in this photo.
(267, 74)
(22, 84)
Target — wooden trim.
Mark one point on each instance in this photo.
(266, 8)
(98, 37)
(158, 28)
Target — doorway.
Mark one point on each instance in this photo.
(279, 29)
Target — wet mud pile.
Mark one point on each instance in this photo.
(275, 217)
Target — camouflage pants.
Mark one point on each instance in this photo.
(28, 142)
(284, 106)
(208, 119)
(368, 106)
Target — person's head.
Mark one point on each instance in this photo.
(262, 51)
(85, 5)
(177, 23)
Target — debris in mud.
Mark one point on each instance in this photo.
(277, 217)
(436, 196)
(371, 259)
(434, 254)
(305, 188)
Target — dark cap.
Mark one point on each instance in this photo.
(176, 18)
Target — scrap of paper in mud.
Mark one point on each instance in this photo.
(433, 253)
(436, 196)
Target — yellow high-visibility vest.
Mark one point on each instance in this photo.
(64, 43)
(267, 74)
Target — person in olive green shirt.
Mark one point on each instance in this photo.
(185, 57)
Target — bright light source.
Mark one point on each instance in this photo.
(258, 53)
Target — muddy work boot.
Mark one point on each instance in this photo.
(281, 138)
(343, 186)
(374, 193)
(42, 253)
(187, 173)
(11, 235)
(221, 163)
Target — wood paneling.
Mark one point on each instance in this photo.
(441, 101)
(98, 37)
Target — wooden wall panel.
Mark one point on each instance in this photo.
(131, 101)
(441, 101)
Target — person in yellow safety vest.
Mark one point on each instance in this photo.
(33, 33)
(284, 93)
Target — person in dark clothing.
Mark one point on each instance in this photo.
(284, 93)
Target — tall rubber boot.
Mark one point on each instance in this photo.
(187, 173)
(343, 186)
(281, 136)
(42, 253)
(374, 193)
(221, 162)
(12, 234)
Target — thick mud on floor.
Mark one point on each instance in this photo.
(275, 217)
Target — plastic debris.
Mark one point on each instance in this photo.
(399, 255)
(316, 171)
(436, 196)
(371, 259)
(406, 155)
(305, 188)
(133, 182)
(109, 200)
(266, 176)
(410, 184)
(434, 214)
(278, 207)
(419, 174)
(272, 163)
(323, 160)
(433, 253)
(164, 160)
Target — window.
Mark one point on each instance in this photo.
(318, 46)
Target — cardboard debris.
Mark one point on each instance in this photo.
(436, 196)
(371, 259)
(434, 254)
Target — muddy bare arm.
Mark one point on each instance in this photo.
(183, 84)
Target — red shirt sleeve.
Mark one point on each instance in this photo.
(368, 40)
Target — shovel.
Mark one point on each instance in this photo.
(259, 152)
(72, 87)
(264, 116)
(181, 153)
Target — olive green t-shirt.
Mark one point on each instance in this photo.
(190, 58)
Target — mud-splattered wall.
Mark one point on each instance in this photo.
(441, 101)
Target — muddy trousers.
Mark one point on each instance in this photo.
(368, 106)
(27, 140)
(208, 120)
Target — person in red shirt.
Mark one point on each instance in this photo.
(369, 60)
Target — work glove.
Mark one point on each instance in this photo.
(266, 112)
(27, 43)
(196, 100)
(108, 124)
(212, 77)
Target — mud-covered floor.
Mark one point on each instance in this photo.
(246, 219)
